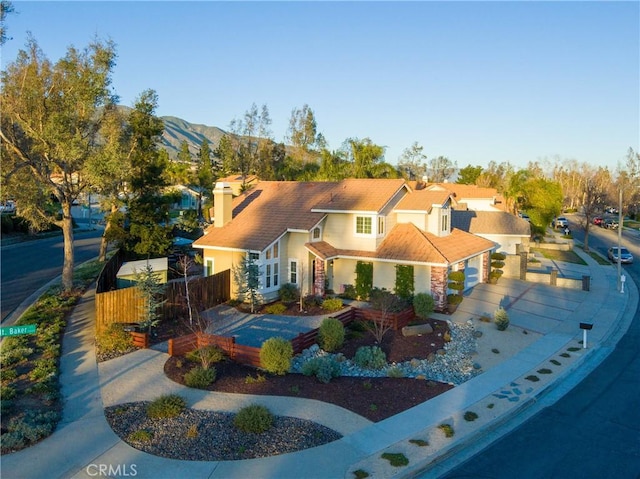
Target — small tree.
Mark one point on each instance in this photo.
(151, 291)
(247, 277)
(456, 281)
(385, 302)
(497, 263)
(364, 279)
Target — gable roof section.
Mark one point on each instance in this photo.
(359, 195)
(407, 243)
(490, 222)
(422, 200)
(264, 213)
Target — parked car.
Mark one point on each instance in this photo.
(598, 220)
(612, 210)
(610, 224)
(625, 255)
(560, 222)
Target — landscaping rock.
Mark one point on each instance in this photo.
(417, 330)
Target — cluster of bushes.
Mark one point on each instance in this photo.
(324, 368)
(113, 341)
(202, 375)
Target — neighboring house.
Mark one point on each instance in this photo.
(189, 197)
(510, 233)
(313, 234)
(128, 272)
(471, 197)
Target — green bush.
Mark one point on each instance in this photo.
(364, 279)
(423, 305)
(395, 372)
(253, 418)
(404, 287)
(332, 304)
(114, 340)
(206, 355)
(275, 308)
(141, 435)
(288, 293)
(200, 377)
(456, 280)
(323, 368)
(7, 392)
(28, 429)
(14, 355)
(276, 355)
(501, 318)
(349, 292)
(331, 334)
(454, 299)
(370, 357)
(169, 405)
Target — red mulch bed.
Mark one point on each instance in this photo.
(374, 398)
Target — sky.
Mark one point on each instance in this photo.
(476, 82)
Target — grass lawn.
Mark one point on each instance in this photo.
(566, 256)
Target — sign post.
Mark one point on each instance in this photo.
(18, 330)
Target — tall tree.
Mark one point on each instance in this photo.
(147, 209)
(303, 134)
(49, 130)
(469, 175)
(365, 156)
(594, 186)
(6, 7)
(542, 198)
(440, 169)
(204, 175)
(412, 162)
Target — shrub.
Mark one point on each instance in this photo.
(28, 429)
(404, 287)
(395, 459)
(14, 355)
(312, 300)
(332, 304)
(447, 429)
(253, 418)
(349, 292)
(470, 416)
(331, 334)
(200, 377)
(456, 281)
(169, 405)
(323, 368)
(7, 392)
(275, 308)
(364, 279)
(114, 340)
(423, 305)
(370, 357)
(395, 372)
(454, 299)
(288, 293)
(501, 318)
(206, 355)
(275, 355)
(141, 435)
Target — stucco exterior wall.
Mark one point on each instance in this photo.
(339, 230)
(418, 219)
(344, 272)
(384, 275)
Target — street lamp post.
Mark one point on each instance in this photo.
(619, 241)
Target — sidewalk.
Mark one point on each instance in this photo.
(84, 443)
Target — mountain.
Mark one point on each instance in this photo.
(177, 130)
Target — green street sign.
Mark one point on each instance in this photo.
(18, 330)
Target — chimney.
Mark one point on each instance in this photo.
(222, 198)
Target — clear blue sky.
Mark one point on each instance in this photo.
(473, 81)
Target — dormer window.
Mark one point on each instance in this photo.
(316, 234)
(364, 225)
(381, 223)
(445, 222)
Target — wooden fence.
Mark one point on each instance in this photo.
(126, 305)
(250, 356)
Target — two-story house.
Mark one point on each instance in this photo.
(313, 234)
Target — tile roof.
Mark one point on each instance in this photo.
(422, 200)
(490, 222)
(407, 243)
(361, 195)
(264, 213)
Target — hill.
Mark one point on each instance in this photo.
(177, 130)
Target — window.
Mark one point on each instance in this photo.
(445, 223)
(381, 225)
(316, 233)
(254, 256)
(268, 275)
(363, 225)
(275, 275)
(293, 271)
(272, 266)
(209, 267)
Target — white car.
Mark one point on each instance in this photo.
(560, 222)
(625, 255)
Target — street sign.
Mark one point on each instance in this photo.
(18, 330)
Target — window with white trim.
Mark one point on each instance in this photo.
(364, 225)
(316, 234)
(271, 267)
(381, 224)
(293, 271)
(445, 222)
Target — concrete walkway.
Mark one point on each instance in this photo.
(84, 446)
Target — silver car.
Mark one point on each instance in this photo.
(625, 255)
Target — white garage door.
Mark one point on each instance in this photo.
(473, 272)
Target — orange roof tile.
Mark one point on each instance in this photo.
(422, 200)
(360, 195)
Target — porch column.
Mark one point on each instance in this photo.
(318, 284)
(439, 287)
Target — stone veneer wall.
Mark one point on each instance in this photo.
(318, 285)
(486, 266)
(439, 287)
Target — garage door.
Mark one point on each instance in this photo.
(473, 272)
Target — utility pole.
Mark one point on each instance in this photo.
(619, 240)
